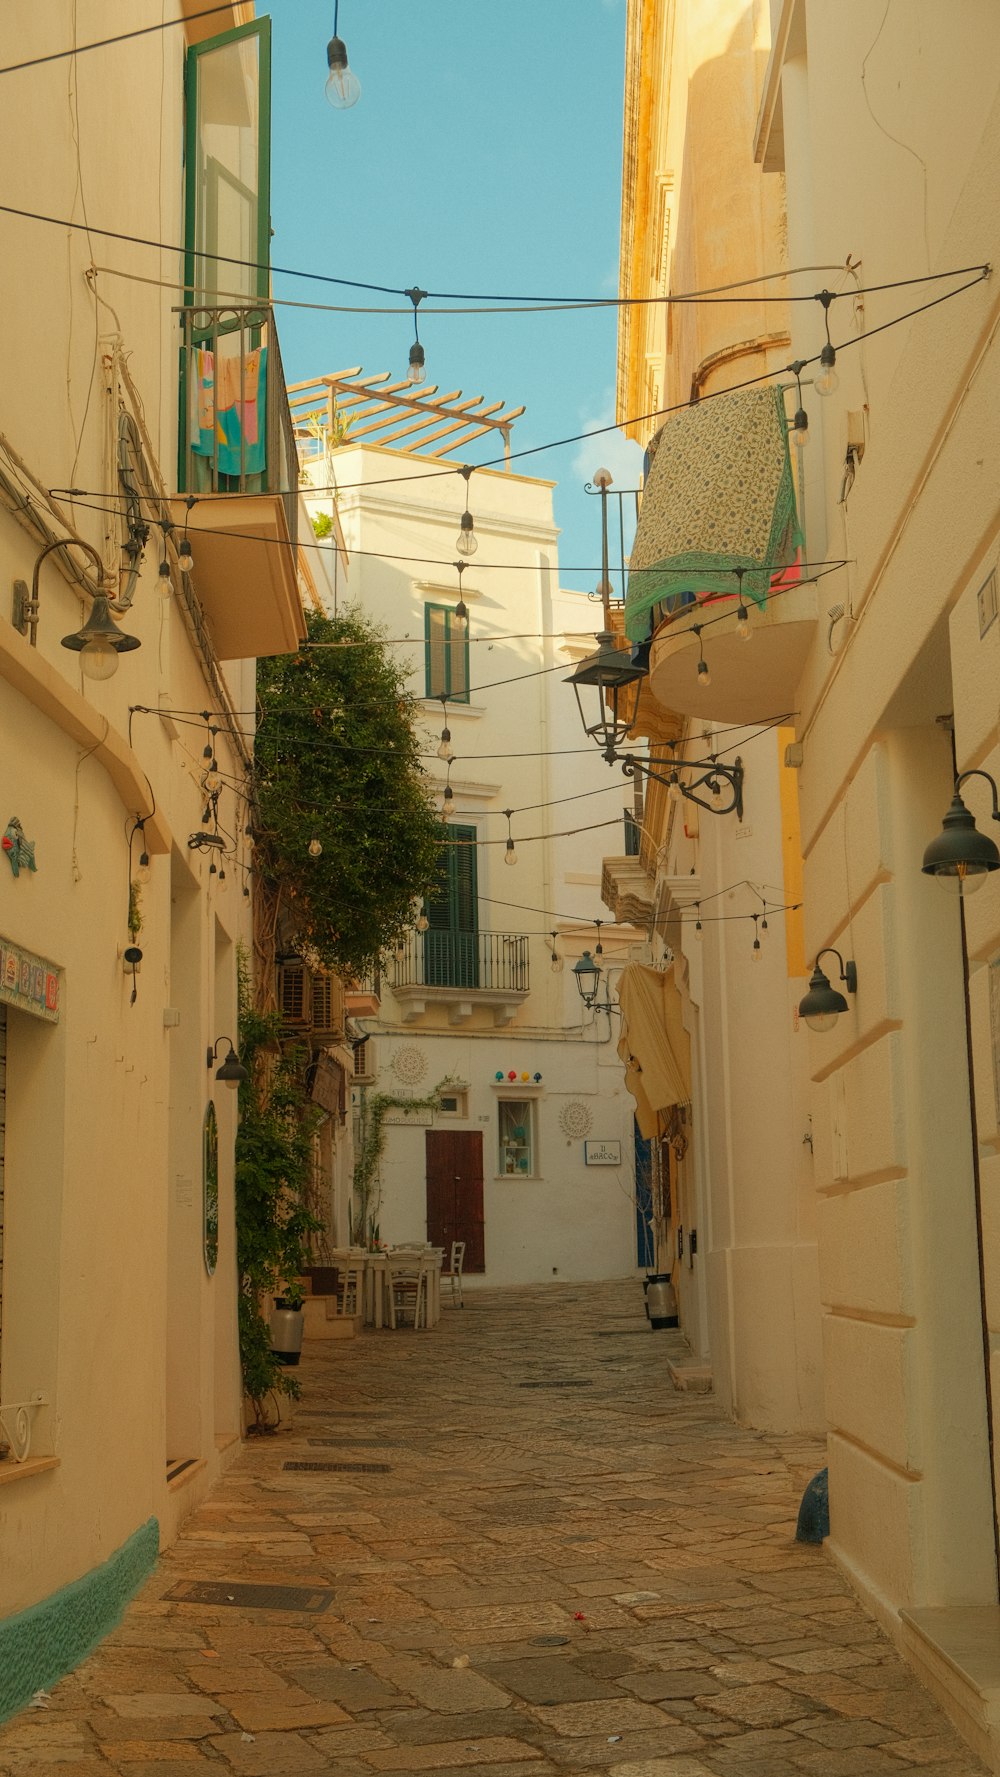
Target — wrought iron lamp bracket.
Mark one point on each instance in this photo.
(709, 773)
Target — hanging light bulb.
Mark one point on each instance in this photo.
(763, 924)
(674, 786)
(827, 382)
(697, 922)
(460, 618)
(223, 879)
(343, 88)
(185, 555)
(163, 573)
(755, 952)
(743, 629)
(800, 423)
(143, 871)
(598, 947)
(212, 782)
(423, 923)
(556, 961)
(467, 542)
(510, 855)
(416, 373)
(315, 848)
(704, 676)
(444, 750)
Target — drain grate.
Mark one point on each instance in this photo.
(569, 1382)
(247, 1597)
(339, 1468)
(624, 1332)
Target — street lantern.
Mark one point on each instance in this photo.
(961, 857)
(587, 975)
(616, 680)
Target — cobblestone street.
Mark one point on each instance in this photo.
(523, 1553)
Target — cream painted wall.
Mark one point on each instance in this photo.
(108, 1309)
(519, 746)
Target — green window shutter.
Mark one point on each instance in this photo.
(227, 137)
(453, 903)
(446, 656)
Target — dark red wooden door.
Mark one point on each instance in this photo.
(455, 1192)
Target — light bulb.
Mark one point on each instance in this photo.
(963, 879)
(343, 88)
(763, 929)
(704, 676)
(800, 428)
(460, 617)
(417, 372)
(423, 923)
(223, 879)
(556, 963)
(315, 848)
(163, 574)
(99, 660)
(185, 555)
(444, 750)
(697, 930)
(674, 788)
(755, 953)
(143, 872)
(743, 629)
(510, 855)
(466, 542)
(827, 381)
(715, 789)
(822, 1021)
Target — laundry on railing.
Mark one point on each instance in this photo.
(227, 395)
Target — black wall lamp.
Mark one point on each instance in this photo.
(822, 1005)
(617, 678)
(232, 1073)
(961, 857)
(99, 641)
(587, 975)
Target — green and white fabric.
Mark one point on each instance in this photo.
(719, 495)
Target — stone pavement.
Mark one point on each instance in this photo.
(523, 1555)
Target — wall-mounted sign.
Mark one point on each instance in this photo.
(602, 1153)
(28, 982)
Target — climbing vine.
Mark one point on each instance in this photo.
(347, 837)
(373, 1108)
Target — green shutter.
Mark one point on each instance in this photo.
(451, 946)
(227, 137)
(446, 656)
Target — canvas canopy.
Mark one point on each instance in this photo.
(654, 1045)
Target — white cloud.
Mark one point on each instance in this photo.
(610, 450)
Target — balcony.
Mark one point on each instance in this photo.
(460, 971)
(237, 458)
(749, 681)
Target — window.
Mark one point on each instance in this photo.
(451, 945)
(516, 1152)
(227, 146)
(446, 655)
(454, 1103)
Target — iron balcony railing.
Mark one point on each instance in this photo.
(236, 432)
(484, 960)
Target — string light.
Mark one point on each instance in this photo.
(343, 88)
(800, 423)
(417, 372)
(755, 953)
(704, 676)
(444, 749)
(315, 848)
(598, 947)
(460, 616)
(510, 854)
(555, 959)
(185, 555)
(467, 542)
(697, 922)
(828, 381)
(743, 629)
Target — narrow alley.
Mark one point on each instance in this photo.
(506, 1546)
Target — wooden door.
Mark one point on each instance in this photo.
(455, 1192)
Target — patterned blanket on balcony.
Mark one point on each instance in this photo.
(226, 392)
(719, 495)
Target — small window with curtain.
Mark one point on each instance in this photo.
(446, 655)
(515, 1130)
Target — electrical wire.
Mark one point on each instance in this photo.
(79, 49)
(543, 302)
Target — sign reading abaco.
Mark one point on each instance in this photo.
(28, 982)
(602, 1153)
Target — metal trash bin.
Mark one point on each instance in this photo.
(661, 1300)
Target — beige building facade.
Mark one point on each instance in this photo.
(124, 889)
(881, 138)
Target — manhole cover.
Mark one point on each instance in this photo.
(306, 1598)
(339, 1468)
(550, 1641)
(575, 1382)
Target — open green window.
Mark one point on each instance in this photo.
(228, 166)
(446, 655)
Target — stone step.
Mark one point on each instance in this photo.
(955, 1650)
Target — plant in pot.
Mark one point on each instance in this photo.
(273, 1224)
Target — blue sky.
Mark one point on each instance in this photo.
(483, 155)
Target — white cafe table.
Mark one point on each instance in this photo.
(379, 1309)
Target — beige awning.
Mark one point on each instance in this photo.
(654, 1045)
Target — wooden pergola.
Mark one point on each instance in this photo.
(350, 408)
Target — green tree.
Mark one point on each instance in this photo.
(337, 766)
